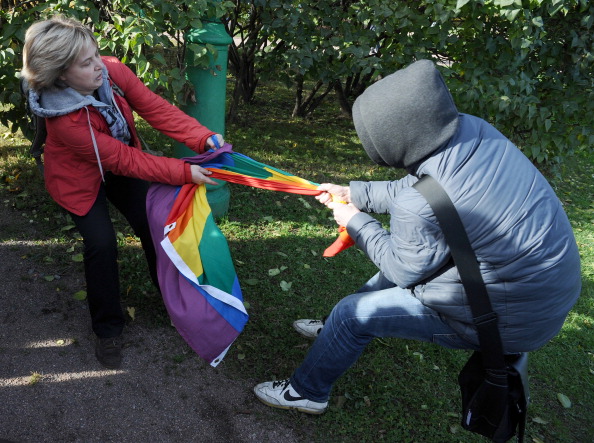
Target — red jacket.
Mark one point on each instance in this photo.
(72, 175)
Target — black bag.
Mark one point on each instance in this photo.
(494, 403)
(494, 386)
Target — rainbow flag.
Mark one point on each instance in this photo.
(196, 275)
(237, 168)
(198, 281)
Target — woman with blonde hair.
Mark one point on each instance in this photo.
(93, 155)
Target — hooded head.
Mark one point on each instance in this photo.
(405, 117)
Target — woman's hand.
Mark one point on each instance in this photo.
(333, 193)
(200, 175)
(214, 142)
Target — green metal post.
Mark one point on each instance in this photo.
(210, 85)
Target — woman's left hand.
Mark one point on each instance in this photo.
(200, 175)
(343, 212)
(214, 142)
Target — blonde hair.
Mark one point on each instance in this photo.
(51, 47)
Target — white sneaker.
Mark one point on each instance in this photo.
(308, 328)
(280, 394)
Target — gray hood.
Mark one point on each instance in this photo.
(53, 102)
(406, 116)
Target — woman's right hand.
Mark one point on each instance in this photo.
(333, 193)
(200, 175)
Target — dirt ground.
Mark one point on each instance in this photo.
(52, 389)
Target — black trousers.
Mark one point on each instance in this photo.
(128, 195)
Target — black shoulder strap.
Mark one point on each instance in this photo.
(38, 126)
(116, 88)
(36, 148)
(464, 257)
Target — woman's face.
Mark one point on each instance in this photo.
(85, 74)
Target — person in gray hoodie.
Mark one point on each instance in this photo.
(522, 238)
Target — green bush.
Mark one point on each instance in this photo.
(526, 66)
(147, 35)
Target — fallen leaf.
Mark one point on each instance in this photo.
(131, 312)
(251, 281)
(285, 286)
(305, 203)
(77, 258)
(273, 272)
(540, 421)
(80, 295)
(564, 400)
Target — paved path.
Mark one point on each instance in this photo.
(53, 390)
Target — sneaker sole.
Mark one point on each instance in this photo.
(297, 408)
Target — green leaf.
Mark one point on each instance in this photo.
(78, 258)
(131, 312)
(286, 286)
(274, 271)
(251, 281)
(564, 400)
(461, 3)
(80, 295)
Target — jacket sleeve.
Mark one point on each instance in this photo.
(73, 132)
(414, 248)
(158, 112)
(375, 197)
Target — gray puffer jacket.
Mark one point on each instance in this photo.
(516, 224)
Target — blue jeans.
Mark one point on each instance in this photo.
(378, 309)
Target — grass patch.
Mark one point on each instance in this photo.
(398, 390)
